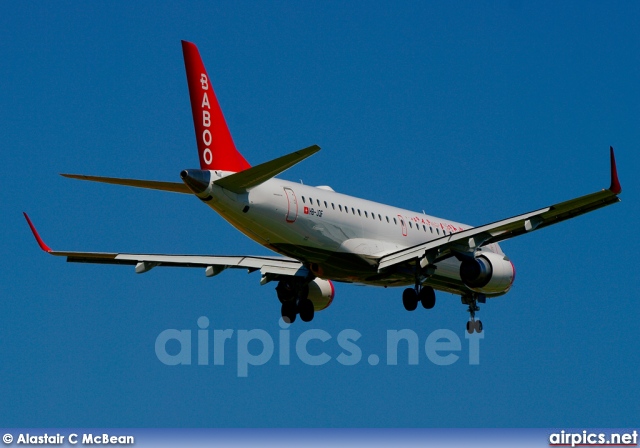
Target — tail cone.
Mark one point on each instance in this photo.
(197, 180)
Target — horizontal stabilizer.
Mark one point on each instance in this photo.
(254, 176)
(175, 187)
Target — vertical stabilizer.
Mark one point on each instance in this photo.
(216, 149)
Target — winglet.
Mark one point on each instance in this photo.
(43, 246)
(615, 183)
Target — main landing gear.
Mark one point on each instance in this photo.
(423, 294)
(472, 301)
(419, 293)
(427, 297)
(294, 299)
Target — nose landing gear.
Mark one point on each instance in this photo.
(472, 301)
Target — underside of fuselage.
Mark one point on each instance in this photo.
(355, 268)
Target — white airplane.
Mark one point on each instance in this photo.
(327, 236)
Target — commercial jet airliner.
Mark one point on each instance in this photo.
(324, 236)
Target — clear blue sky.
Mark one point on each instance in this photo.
(472, 111)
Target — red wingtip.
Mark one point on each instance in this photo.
(615, 183)
(43, 246)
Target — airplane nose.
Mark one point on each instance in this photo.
(197, 180)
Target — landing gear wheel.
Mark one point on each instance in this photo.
(470, 327)
(306, 310)
(472, 301)
(410, 299)
(288, 311)
(304, 292)
(427, 297)
(284, 291)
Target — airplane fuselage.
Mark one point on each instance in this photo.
(338, 237)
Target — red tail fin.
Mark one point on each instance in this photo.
(215, 145)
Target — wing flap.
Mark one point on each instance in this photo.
(474, 237)
(275, 266)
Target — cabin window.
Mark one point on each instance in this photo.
(311, 201)
(387, 218)
(366, 215)
(340, 207)
(395, 222)
(303, 201)
(431, 229)
(353, 210)
(379, 216)
(373, 215)
(437, 231)
(359, 214)
(333, 206)
(318, 201)
(325, 204)
(402, 222)
(410, 224)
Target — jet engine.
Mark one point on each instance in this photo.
(488, 273)
(321, 293)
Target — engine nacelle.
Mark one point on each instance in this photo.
(321, 293)
(488, 273)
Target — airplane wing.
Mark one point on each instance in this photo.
(466, 242)
(271, 268)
